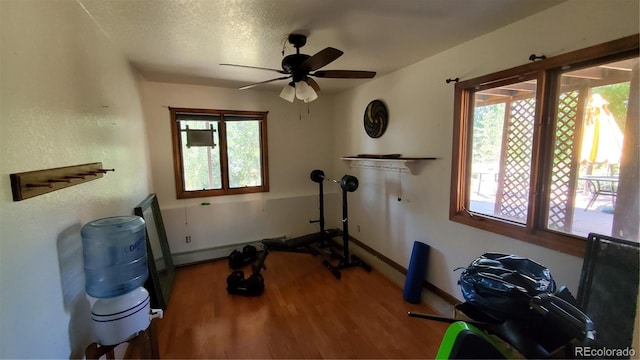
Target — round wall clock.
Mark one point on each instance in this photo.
(376, 118)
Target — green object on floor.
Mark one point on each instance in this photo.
(465, 341)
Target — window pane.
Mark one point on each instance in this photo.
(502, 135)
(244, 153)
(591, 115)
(201, 163)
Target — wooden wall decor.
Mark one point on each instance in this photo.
(376, 118)
(28, 184)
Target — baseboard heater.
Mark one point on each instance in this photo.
(213, 253)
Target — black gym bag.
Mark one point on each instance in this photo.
(502, 285)
(519, 299)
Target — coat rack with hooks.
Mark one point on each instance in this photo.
(28, 184)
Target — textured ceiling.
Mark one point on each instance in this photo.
(184, 41)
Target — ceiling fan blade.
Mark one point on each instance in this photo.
(321, 58)
(256, 67)
(344, 74)
(313, 84)
(263, 82)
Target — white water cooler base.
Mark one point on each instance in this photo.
(120, 318)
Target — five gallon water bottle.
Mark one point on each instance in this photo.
(115, 267)
(115, 255)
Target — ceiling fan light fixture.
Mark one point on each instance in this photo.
(288, 92)
(304, 91)
(313, 96)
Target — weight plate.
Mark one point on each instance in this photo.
(349, 183)
(317, 176)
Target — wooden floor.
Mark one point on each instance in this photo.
(305, 312)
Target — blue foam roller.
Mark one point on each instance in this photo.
(416, 272)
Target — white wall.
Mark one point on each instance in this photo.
(67, 97)
(300, 139)
(420, 105)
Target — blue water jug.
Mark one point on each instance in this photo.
(115, 255)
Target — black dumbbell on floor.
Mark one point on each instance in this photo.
(240, 259)
(238, 285)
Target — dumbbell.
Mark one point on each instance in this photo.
(348, 183)
(239, 259)
(238, 285)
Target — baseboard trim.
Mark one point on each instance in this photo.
(208, 254)
(427, 285)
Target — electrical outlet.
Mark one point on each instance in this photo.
(188, 239)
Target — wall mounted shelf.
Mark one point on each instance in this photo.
(391, 162)
(28, 184)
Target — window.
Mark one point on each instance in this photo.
(219, 152)
(545, 152)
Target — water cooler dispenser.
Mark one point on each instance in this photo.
(115, 265)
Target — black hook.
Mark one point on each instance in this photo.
(449, 80)
(535, 57)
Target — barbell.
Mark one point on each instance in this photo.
(348, 183)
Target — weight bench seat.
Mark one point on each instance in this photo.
(301, 244)
(297, 242)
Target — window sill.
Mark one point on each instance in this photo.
(567, 244)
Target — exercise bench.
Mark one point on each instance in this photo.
(312, 243)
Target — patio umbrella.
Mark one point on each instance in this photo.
(601, 137)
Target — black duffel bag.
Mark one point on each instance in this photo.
(502, 285)
(519, 296)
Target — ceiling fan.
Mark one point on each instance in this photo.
(301, 67)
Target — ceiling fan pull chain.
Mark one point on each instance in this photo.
(399, 192)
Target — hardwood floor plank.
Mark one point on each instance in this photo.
(305, 312)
